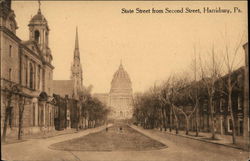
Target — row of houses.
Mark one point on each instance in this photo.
(221, 111)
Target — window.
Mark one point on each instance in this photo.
(42, 115)
(38, 116)
(10, 74)
(222, 104)
(37, 36)
(38, 77)
(31, 76)
(10, 50)
(34, 114)
(26, 75)
(229, 124)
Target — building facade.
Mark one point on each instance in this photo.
(222, 117)
(28, 66)
(120, 97)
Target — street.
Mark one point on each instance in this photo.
(176, 149)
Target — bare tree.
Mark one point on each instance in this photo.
(230, 61)
(10, 90)
(171, 91)
(210, 73)
(22, 102)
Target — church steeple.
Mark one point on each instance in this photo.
(76, 68)
(39, 32)
(76, 52)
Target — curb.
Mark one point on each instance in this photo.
(226, 145)
(198, 139)
(166, 146)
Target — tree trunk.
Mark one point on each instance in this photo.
(177, 127)
(187, 125)
(212, 117)
(165, 122)
(6, 119)
(176, 123)
(231, 111)
(163, 118)
(20, 125)
(196, 122)
(21, 109)
(85, 122)
(170, 120)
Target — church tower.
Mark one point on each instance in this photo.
(39, 35)
(39, 32)
(76, 68)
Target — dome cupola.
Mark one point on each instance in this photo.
(121, 81)
(38, 18)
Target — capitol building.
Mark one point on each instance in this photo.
(120, 97)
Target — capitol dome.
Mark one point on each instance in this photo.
(121, 81)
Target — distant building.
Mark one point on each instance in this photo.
(120, 97)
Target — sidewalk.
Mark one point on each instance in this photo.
(42, 135)
(224, 140)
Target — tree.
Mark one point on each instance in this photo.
(210, 73)
(170, 96)
(230, 61)
(10, 90)
(22, 103)
(92, 110)
(84, 96)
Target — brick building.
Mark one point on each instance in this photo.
(221, 111)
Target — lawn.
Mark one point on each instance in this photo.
(114, 139)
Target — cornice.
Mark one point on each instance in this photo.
(10, 33)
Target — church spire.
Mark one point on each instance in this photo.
(76, 53)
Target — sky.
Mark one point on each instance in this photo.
(151, 46)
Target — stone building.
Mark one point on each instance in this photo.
(26, 64)
(120, 97)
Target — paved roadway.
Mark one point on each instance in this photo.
(178, 149)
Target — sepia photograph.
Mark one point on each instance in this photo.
(108, 80)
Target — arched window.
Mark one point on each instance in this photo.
(47, 38)
(37, 36)
(25, 74)
(38, 74)
(31, 76)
